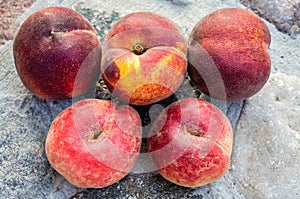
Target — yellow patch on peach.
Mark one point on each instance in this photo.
(128, 64)
(173, 61)
(141, 83)
(166, 60)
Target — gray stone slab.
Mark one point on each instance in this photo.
(25, 118)
(266, 153)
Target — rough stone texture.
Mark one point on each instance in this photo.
(266, 154)
(285, 14)
(25, 120)
(9, 11)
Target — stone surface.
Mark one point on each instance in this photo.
(25, 119)
(266, 153)
(9, 11)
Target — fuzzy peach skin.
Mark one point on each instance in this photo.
(57, 53)
(228, 54)
(94, 143)
(190, 143)
(144, 59)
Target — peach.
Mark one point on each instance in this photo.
(190, 143)
(94, 143)
(144, 58)
(57, 53)
(228, 54)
